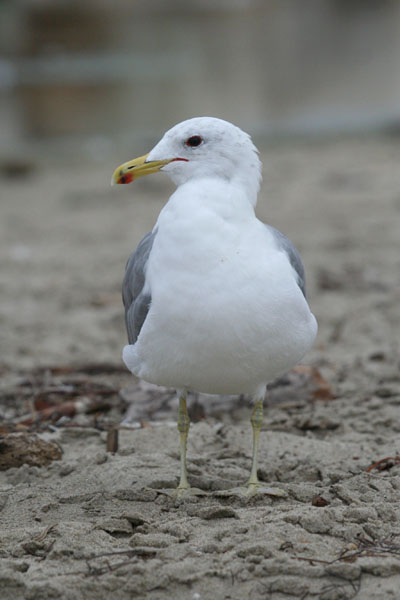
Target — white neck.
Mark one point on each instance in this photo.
(228, 200)
(244, 174)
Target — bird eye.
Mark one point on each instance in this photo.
(193, 141)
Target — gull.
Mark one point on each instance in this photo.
(214, 298)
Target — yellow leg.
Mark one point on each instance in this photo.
(256, 422)
(253, 486)
(183, 490)
(183, 428)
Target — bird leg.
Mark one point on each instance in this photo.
(256, 421)
(184, 489)
(183, 428)
(253, 485)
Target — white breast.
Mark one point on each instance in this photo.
(226, 313)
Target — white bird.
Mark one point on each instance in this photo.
(214, 298)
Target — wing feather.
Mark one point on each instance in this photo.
(136, 301)
(294, 257)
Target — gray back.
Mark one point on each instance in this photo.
(136, 301)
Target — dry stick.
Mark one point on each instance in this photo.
(396, 459)
(47, 529)
(112, 440)
(378, 549)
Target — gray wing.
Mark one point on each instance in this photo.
(136, 301)
(294, 257)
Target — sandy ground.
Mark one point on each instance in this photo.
(94, 524)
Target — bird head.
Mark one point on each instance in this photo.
(203, 147)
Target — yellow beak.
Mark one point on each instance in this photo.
(138, 167)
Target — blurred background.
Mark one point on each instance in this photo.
(90, 74)
(87, 85)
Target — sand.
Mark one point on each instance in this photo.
(99, 524)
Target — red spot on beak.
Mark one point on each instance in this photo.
(127, 178)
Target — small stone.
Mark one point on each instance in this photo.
(351, 547)
(134, 518)
(115, 526)
(378, 356)
(319, 501)
(66, 470)
(286, 546)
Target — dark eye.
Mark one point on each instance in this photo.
(193, 141)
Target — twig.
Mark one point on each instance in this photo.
(46, 530)
(384, 463)
(97, 571)
(366, 547)
(112, 440)
(315, 560)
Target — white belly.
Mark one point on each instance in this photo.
(226, 314)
